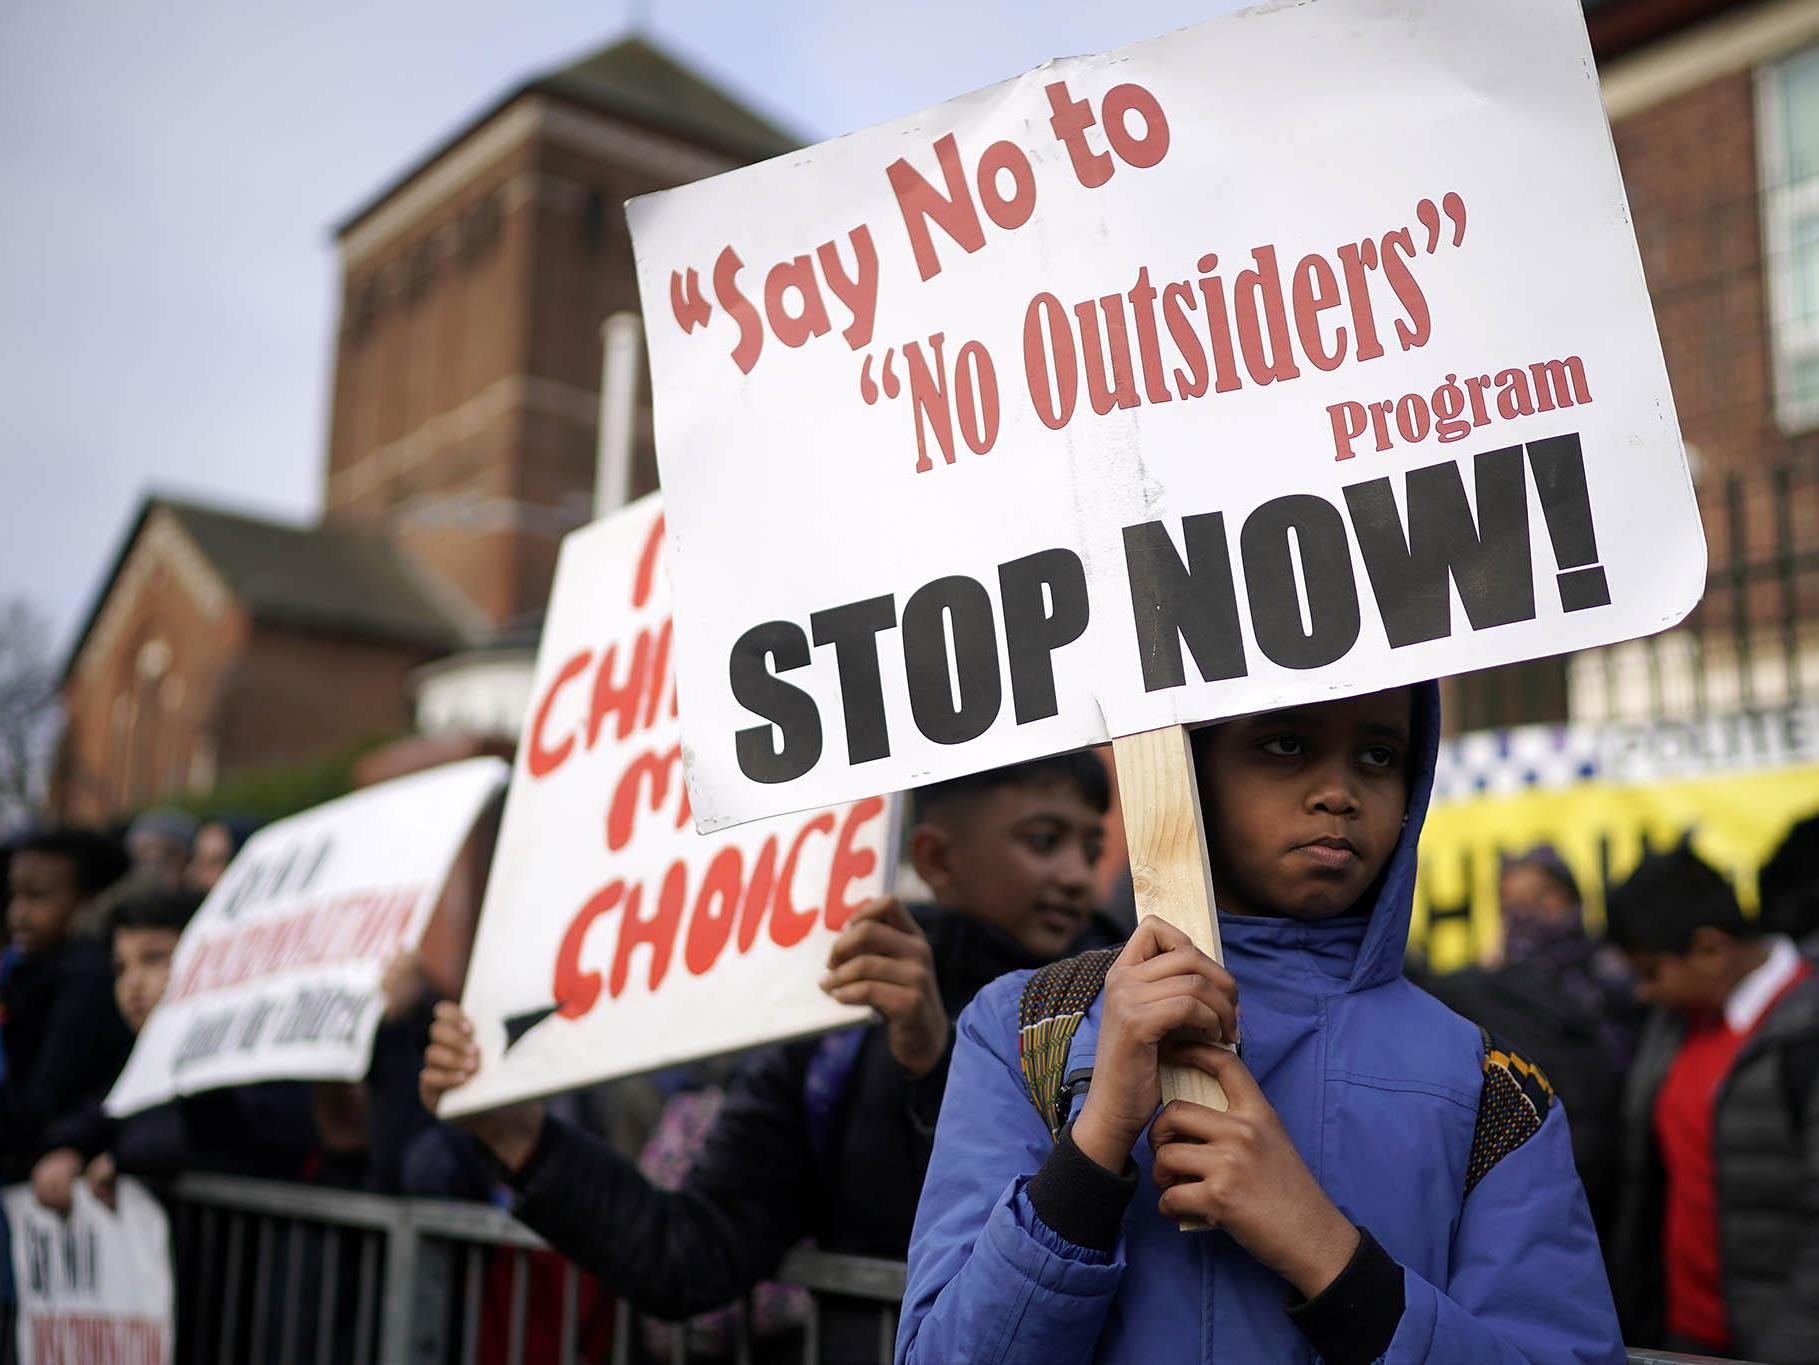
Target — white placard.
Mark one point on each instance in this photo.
(277, 977)
(94, 1286)
(614, 938)
(1301, 353)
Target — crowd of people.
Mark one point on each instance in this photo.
(1603, 1139)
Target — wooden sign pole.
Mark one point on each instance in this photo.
(1169, 867)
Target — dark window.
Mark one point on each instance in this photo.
(593, 221)
(420, 270)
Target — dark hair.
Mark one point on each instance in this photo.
(1789, 882)
(156, 910)
(1084, 770)
(1546, 859)
(1667, 897)
(98, 860)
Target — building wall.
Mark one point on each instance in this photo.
(1693, 164)
(176, 689)
(141, 698)
(1690, 167)
(468, 358)
(429, 387)
(275, 708)
(1684, 120)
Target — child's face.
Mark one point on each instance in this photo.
(214, 850)
(1303, 807)
(42, 895)
(1020, 858)
(142, 969)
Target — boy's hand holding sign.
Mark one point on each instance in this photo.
(614, 938)
(882, 960)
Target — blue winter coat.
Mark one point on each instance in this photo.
(1378, 1085)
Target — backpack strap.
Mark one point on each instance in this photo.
(1511, 1107)
(1054, 1002)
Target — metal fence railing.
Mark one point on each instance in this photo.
(296, 1275)
(1751, 643)
(279, 1274)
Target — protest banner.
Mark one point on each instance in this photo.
(1602, 828)
(1305, 352)
(94, 1286)
(277, 977)
(613, 938)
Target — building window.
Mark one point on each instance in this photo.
(420, 271)
(362, 307)
(593, 221)
(1788, 106)
(478, 229)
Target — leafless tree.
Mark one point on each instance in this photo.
(28, 708)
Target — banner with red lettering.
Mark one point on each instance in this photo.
(614, 938)
(1301, 353)
(277, 977)
(94, 1287)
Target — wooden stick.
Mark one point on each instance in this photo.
(1169, 867)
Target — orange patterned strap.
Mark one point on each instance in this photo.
(1054, 1002)
(1511, 1108)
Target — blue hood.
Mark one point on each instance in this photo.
(1352, 952)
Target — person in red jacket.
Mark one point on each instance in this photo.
(1717, 1243)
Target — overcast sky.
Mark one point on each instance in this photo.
(170, 174)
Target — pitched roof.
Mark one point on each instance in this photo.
(635, 80)
(341, 579)
(639, 81)
(353, 579)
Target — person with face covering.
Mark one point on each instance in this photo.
(1563, 998)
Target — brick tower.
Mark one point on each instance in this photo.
(467, 365)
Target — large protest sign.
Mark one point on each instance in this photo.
(277, 977)
(614, 938)
(1301, 353)
(96, 1285)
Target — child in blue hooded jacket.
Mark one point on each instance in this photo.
(1388, 1182)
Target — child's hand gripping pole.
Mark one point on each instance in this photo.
(1169, 868)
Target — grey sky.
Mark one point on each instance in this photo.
(170, 174)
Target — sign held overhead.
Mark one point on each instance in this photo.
(614, 938)
(1300, 353)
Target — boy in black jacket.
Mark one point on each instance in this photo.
(261, 1130)
(65, 1042)
(826, 1138)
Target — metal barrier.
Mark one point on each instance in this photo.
(298, 1275)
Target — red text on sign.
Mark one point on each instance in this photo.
(732, 903)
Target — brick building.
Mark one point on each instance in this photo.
(473, 289)
(461, 449)
(1714, 108)
(210, 649)
(467, 365)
